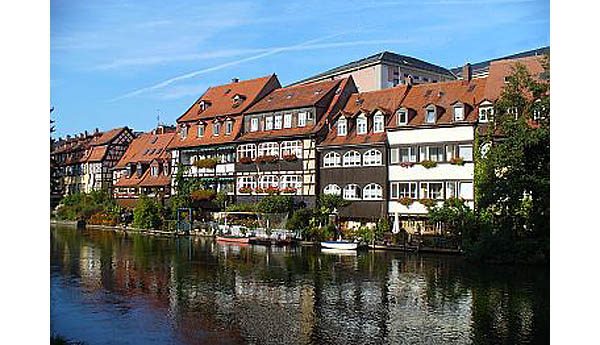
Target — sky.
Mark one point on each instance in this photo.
(134, 63)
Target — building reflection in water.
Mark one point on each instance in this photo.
(213, 293)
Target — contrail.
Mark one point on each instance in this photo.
(221, 66)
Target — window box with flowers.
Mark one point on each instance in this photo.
(457, 161)
(208, 163)
(271, 190)
(245, 160)
(406, 201)
(428, 164)
(290, 158)
(203, 194)
(407, 164)
(267, 159)
(428, 202)
(245, 190)
(259, 190)
(290, 190)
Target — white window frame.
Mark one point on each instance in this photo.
(459, 113)
(278, 122)
(246, 181)
(355, 195)
(460, 189)
(291, 147)
(268, 123)
(426, 191)
(428, 154)
(332, 160)
(216, 128)
(154, 171)
(451, 189)
(432, 110)
(373, 157)
(342, 126)
(266, 181)
(254, 124)
(378, 123)
(361, 124)
(291, 181)
(268, 149)
(485, 113)
(228, 127)
(302, 119)
(246, 150)
(352, 159)
(373, 191)
(399, 117)
(412, 154)
(332, 189)
(403, 190)
(287, 120)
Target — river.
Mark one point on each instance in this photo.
(111, 288)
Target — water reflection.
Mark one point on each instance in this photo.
(130, 289)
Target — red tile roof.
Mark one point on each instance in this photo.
(294, 96)
(108, 136)
(221, 98)
(208, 138)
(502, 68)
(96, 154)
(145, 148)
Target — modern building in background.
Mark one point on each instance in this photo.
(384, 70)
(482, 69)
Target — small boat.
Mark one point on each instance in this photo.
(235, 239)
(344, 245)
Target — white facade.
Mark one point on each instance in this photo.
(409, 179)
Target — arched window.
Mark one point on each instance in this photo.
(351, 192)
(361, 124)
(373, 191)
(378, 123)
(332, 189)
(372, 157)
(342, 127)
(351, 159)
(332, 159)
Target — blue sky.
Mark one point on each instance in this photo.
(117, 63)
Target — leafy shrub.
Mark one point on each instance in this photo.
(203, 194)
(457, 161)
(147, 214)
(405, 201)
(428, 202)
(276, 204)
(428, 164)
(208, 163)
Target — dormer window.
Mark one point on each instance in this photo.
(228, 127)
(342, 126)
(459, 112)
(301, 119)
(183, 131)
(166, 169)
(361, 124)
(154, 171)
(378, 123)
(237, 99)
(201, 128)
(278, 121)
(287, 120)
(402, 117)
(216, 128)
(430, 114)
(268, 123)
(204, 105)
(486, 112)
(254, 124)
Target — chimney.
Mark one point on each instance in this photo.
(235, 80)
(467, 72)
(96, 131)
(86, 133)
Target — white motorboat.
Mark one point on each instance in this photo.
(343, 245)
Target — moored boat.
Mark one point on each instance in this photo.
(342, 245)
(235, 239)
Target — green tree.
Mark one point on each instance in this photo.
(330, 203)
(147, 213)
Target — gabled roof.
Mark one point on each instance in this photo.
(384, 56)
(108, 136)
(145, 148)
(483, 66)
(221, 98)
(294, 96)
(96, 153)
(503, 68)
(209, 138)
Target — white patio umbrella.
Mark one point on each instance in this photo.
(396, 227)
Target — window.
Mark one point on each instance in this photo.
(268, 123)
(485, 113)
(228, 127)
(430, 115)
(351, 158)
(166, 169)
(267, 181)
(378, 123)
(287, 120)
(332, 189)
(403, 190)
(254, 124)
(372, 157)
(278, 119)
(464, 151)
(154, 171)
(268, 149)
(361, 124)
(201, 131)
(301, 119)
(216, 128)
(459, 113)
(407, 154)
(291, 181)
(342, 126)
(184, 132)
(450, 189)
(373, 191)
(246, 182)
(402, 117)
(432, 190)
(465, 190)
(432, 153)
(246, 151)
(332, 159)
(351, 192)
(291, 148)
(513, 111)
